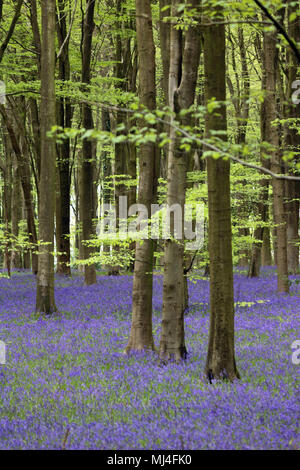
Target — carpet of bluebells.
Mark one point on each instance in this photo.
(67, 383)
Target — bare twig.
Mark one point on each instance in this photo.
(187, 270)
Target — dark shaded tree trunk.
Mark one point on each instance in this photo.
(220, 363)
(86, 200)
(240, 99)
(256, 258)
(125, 152)
(16, 258)
(64, 120)
(21, 153)
(107, 192)
(7, 200)
(266, 253)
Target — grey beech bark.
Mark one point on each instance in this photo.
(272, 136)
(141, 327)
(262, 206)
(45, 302)
(64, 113)
(86, 199)
(220, 362)
(292, 143)
(183, 72)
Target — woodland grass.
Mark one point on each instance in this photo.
(69, 371)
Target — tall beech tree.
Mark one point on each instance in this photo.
(16, 209)
(125, 71)
(141, 327)
(262, 206)
(86, 200)
(183, 72)
(64, 119)
(292, 142)
(220, 363)
(7, 199)
(272, 137)
(45, 301)
(240, 100)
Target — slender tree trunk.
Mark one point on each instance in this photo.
(292, 206)
(164, 35)
(16, 260)
(240, 100)
(266, 253)
(256, 259)
(26, 259)
(272, 136)
(45, 302)
(63, 154)
(77, 215)
(33, 105)
(87, 168)
(7, 200)
(107, 192)
(292, 143)
(125, 153)
(220, 363)
(183, 72)
(141, 327)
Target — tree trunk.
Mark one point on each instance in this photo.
(292, 143)
(183, 72)
(220, 363)
(7, 201)
(16, 260)
(240, 99)
(164, 36)
(141, 327)
(26, 259)
(45, 302)
(257, 251)
(63, 154)
(266, 253)
(272, 136)
(86, 200)
(125, 153)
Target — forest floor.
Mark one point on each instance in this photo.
(67, 383)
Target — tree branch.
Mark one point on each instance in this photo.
(235, 159)
(69, 32)
(11, 29)
(193, 138)
(280, 28)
